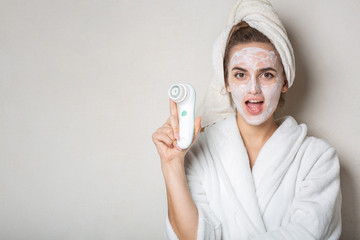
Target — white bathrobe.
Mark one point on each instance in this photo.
(292, 192)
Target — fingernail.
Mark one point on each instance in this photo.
(177, 136)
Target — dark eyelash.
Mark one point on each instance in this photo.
(239, 74)
(271, 75)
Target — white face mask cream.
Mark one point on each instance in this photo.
(255, 82)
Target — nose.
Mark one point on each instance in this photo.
(254, 86)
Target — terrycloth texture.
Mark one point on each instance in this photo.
(260, 15)
(292, 192)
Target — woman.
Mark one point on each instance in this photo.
(248, 176)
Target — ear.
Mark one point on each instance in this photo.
(285, 86)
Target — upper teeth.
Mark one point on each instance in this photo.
(254, 101)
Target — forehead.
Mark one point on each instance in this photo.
(263, 48)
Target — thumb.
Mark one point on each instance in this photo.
(197, 129)
(197, 126)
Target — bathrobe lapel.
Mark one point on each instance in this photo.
(226, 145)
(275, 158)
(251, 191)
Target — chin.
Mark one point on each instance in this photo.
(256, 120)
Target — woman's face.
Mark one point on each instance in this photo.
(255, 80)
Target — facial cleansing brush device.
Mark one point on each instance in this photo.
(184, 95)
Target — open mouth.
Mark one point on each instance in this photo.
(254, 106)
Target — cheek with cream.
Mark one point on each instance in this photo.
(256, 99)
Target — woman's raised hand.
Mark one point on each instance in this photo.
(165, 138)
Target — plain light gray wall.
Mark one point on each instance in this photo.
(83, 85)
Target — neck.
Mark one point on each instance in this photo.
(255, 135)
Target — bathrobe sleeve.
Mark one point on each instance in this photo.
(316, 208)
(209, 227)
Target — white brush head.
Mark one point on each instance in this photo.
(177, 92)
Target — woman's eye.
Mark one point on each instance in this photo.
(240, 75)
(268, 75)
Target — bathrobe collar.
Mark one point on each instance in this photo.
(252, 190)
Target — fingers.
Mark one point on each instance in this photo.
(173, 108)
(173, 120)
(198, 125)
(165, 139)
(165, 136)
(167, 130)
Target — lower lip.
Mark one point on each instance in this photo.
(254, 108)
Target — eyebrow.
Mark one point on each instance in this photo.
(239, 68)
(261, 70)
(267, 69)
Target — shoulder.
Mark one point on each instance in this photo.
(309, 145)
(315, 145)
(313, 152)
(317, 155)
